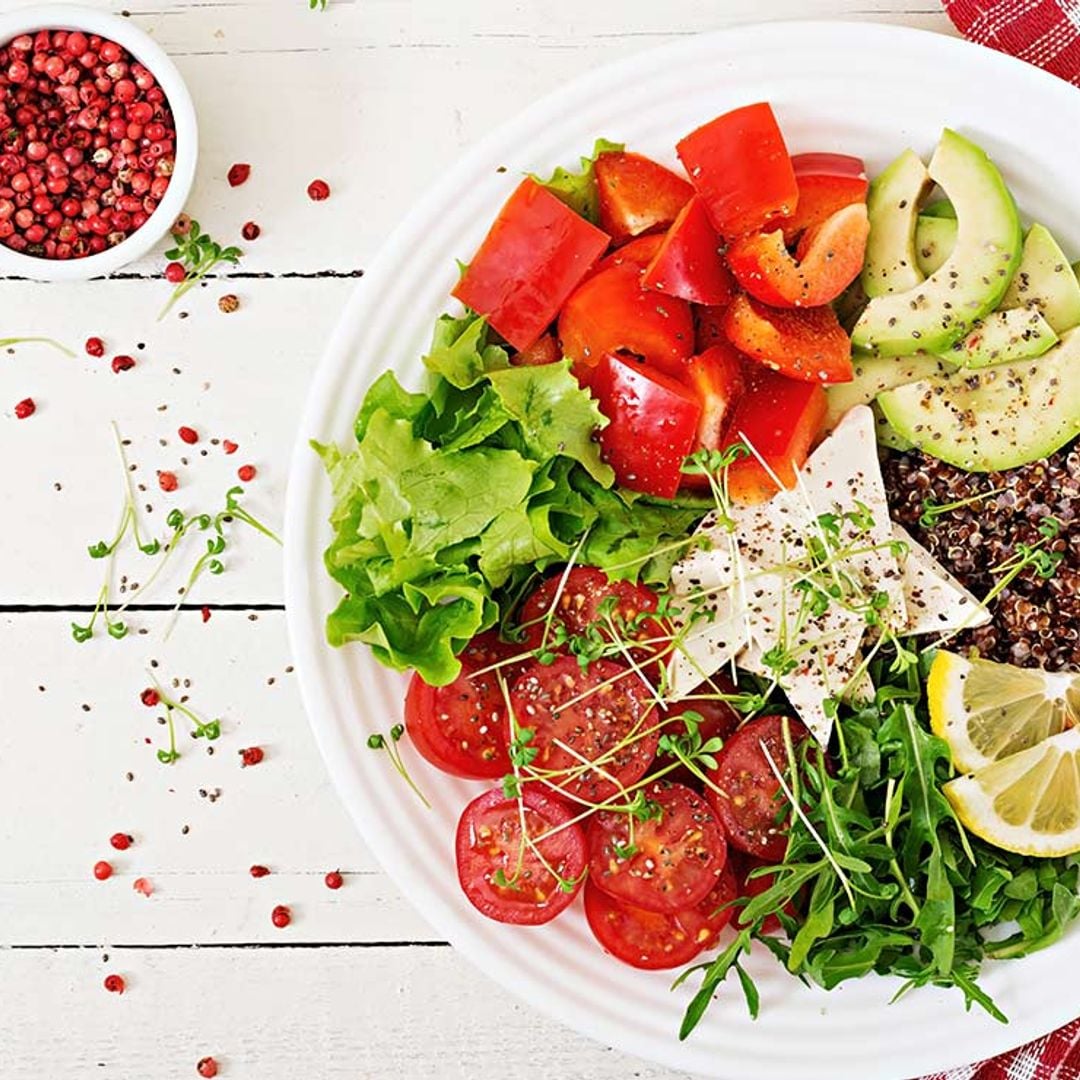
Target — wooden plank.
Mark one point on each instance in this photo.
(279, 1014)
(66, 752)
(241, 377)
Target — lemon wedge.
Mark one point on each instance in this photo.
(987, 712)
(1028, 802)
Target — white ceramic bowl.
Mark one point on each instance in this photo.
(851, 88)
(147, 51)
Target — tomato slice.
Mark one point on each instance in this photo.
(544, 350)
(804, 343)
(781, 418)
(717, 376)
(666, 863)
(462, 727)
(602, 712)
(829, 257)
(611, 312)
(637, 194)
(688, 263)
(490, 839)
(637, 252)
(740, 167)
(827, 183)
(653, 424)
(581, 597)
(531, 260)
(749, 801)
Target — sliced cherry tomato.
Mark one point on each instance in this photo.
(637, 194)
(653, 941)
(580, 597)
(804, 343)
(688, 263)
(531, 260)
(827, 183)
(602, 712)
(611, 312)
(744, 790)
(829, 258)
(653, 424)
(781, 418)
(717, 376)
(665, 863)
(490, 841)
(637, 253)
(740, 167)
(544, 350)
(462, 727)
(709, 326)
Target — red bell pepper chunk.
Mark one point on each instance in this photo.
(827, 260)
(688, 262)
(544, 350)
(638, 252)
(531, 260)
(653, 424)
(740, 167)
(716, 375)
(780, 418)
(637, 194)
(827, 183)
(803, 343)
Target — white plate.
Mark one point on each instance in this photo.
(867, 90)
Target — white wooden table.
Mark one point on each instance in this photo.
(376, 96)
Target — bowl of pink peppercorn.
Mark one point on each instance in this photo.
(98, 143)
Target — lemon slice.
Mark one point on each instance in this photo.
(1028, 802)
(987, 711)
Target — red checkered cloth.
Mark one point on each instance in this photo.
(1053, 1057)
(1042, 32)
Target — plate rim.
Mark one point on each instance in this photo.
(306, 478)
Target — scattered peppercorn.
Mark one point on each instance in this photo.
(318, 190)
(229, 446)
(95, 346)
(246, 473)
(205, 613)
(251, 755)
(142, 885)
(281, 916)
(114, 984)
(250, 231)
(181, 226)
(122, 363)
(228, 303)
(167, 480)
(150, 697)
(238, 174)
(175, 272)
(207, 1067)
(259, 870)
(121, 841)
(188, 435)
(334, 880)
(102, 870)
(25, 408)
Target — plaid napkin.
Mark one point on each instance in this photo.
(1042, 32)
(1053, 1057)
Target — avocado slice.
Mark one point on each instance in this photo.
(939, 208)
(892, 204)
(935, 237)
(1000, 418)
(874, 375)
(885, 433)
(1044, 280)
(1004, 337)
(970, 284)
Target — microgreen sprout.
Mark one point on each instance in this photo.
(6, 342)
(379, 741)
(199, 254)
(932, 509)
(201, 729)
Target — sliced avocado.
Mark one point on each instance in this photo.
(1044, 280)
(885, 433)
(935, 237)
(939, 208)
(1000, 418)
(874, 375)
(934, 314)
(1004, 337)
(849, 304)
(892, 204)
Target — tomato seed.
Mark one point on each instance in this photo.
(102, 870)
(334, 880)
(95, 346)
(25, 408)
(121, 841)
(281, 916)
(238, 174)
(318, 190)
(246, 473)
(114, 984)
(189, 435)
(122, 363)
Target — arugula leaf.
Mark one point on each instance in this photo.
(578, 190)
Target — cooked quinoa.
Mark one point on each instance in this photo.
(1036, 621)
